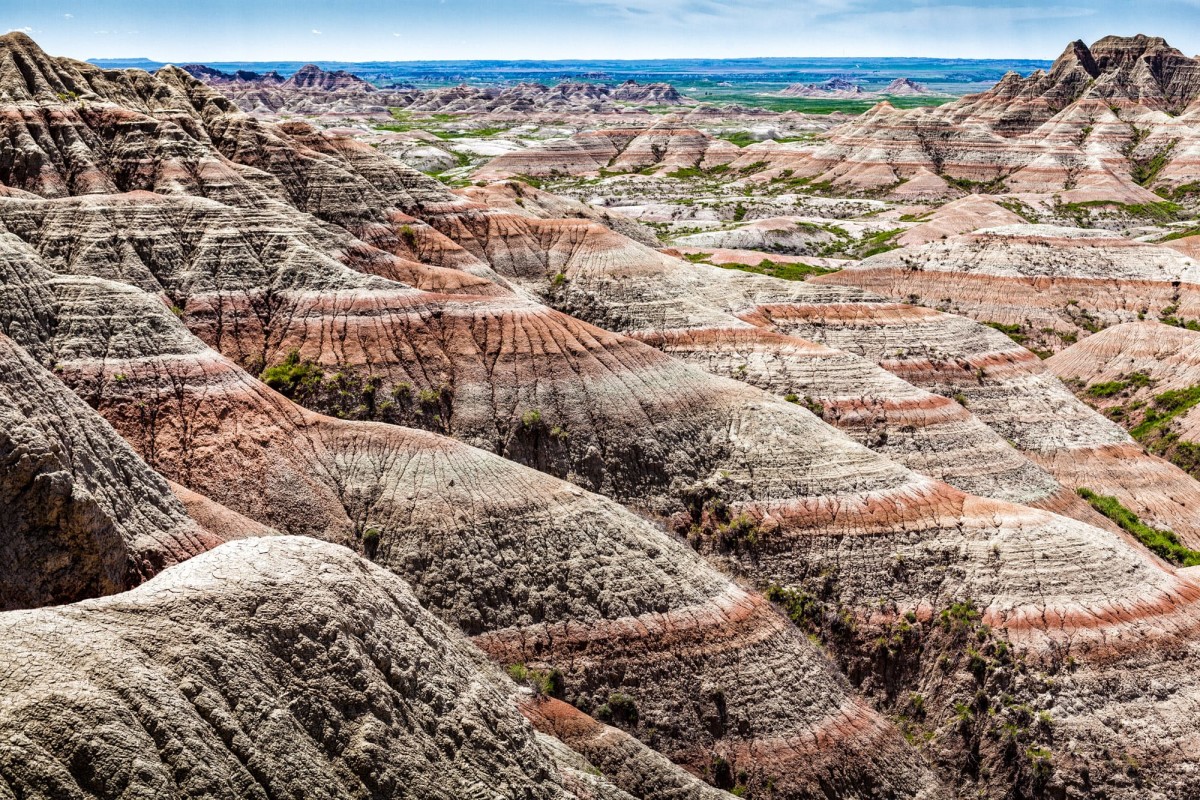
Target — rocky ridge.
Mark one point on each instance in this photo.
(760, 486)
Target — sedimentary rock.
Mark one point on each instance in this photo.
(542, 574)
(665, 147)
(1072, 281)
(265, 668)
(1009, 389)
(83, 516)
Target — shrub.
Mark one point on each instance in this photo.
(1107, 389)
(547, 683)
(293, 378)
(370, 540)
(620, 708)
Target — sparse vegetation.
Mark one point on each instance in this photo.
(545, 682)
(1163, 543)
(786, 271)
(348, 395)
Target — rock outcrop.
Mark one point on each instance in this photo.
(666, 147)
(82, 516)
(265, 668)
(156, 233)
(1103, 123)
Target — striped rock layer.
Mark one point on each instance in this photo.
(265, 668)
(1008, 388)
(535, 568)
(590, 595)
(83, 515)
(1076, 130)
(1073, 280)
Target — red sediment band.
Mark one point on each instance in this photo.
(1172, 610)
(996, 366)
(732, 620)
(1067, 503)
(1031, 292)
(863, 314)
(921, 504)
(853, 727)
(917, 412)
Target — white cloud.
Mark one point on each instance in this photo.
(316, 32)
(26, 29)
(395, 34)
(688, 13)
(68, 16)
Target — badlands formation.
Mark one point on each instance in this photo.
(351, 450)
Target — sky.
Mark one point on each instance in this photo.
(402, 30)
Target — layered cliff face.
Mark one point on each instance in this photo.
(302, 254)
(1069, 280)
(83, 515)
(1143, 376)
(1110, 122)
(1086, 128)
(267, 667)
(666, 147)
(579, 598)
(455, 522)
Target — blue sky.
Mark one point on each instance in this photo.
(397, 30)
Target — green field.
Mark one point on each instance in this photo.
(807, 105)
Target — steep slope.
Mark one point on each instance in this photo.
(456, 521)
(1008, 388)
(1087, 128)
(1072, 281)
(537, 569)
(689, 311)
(664, 147)
(1143, 375)
(82, 515)
(266, 668)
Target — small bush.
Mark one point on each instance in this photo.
(293, 378)
(1107, 389)
(620, 708)
(547, 683)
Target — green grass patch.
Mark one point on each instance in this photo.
(1165, 211)
(1145, 171)
(994, 186)
(817, 105)
(880, 242)
(1163, 543)
(1166, 407)
(1107, 389)
(745, 138)
(788, 272)
(1178, 192)
(528, 180)
(1011, 331)
(1181, 234)
(697, 172)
